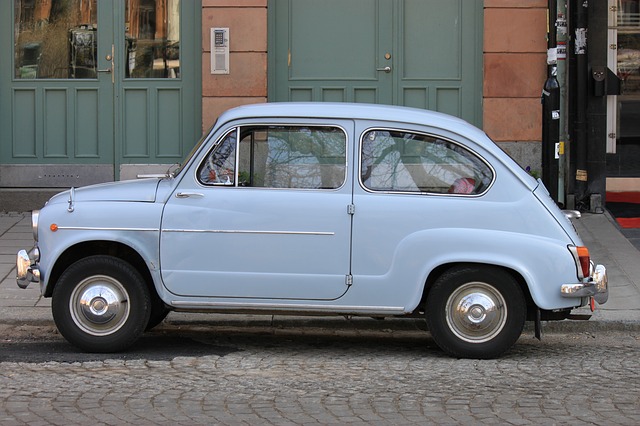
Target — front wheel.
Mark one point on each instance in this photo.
(475, 311)
(101, 304)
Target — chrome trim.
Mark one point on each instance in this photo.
(392, 310)
(96, 228)
(35, 218)
(72, 195)
(153, 175)
(572, 214)
(596, 286)
(235, 231)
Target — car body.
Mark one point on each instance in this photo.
(318, 208)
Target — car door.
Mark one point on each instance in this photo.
(264, 215)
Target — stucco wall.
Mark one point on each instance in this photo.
(514, 67)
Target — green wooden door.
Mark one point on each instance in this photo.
(96, 89)
(420, 53)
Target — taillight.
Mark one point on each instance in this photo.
(583, 260)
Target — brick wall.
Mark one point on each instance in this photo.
(515, 56)
(247, 81)
(514, 67)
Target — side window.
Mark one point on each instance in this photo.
(298, 157)
(411, 162)
(218, 167)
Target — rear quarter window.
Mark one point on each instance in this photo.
(398, 161)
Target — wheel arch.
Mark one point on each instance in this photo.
(441, 269)
(100, 247)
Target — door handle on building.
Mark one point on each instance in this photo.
(386, 69)
(111, 59)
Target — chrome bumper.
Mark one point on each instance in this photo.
(596, 286)
(27, 269)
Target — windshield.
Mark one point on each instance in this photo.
(176, 169)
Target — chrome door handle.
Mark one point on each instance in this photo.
(386, 69)
(107, 70)
(189, 194)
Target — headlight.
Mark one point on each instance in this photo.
(35, 215)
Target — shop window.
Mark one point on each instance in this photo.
(152, 34)
(55, 39)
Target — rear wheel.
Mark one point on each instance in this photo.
(101, 304)
(475, 311)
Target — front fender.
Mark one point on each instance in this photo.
(136, 225)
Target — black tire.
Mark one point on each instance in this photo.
(475, 311)
(101, 304)
(159, 312)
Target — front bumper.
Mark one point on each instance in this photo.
(27, 269)
(596, 286)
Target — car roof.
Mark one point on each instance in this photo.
(345, 110)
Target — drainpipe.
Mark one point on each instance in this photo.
(551, 109)
(561, 29)
(580, 145)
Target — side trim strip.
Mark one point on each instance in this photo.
(395, 310)
(97, 228)
(237, 231)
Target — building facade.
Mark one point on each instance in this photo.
(95, 91)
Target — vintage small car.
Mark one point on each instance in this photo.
(318, 209)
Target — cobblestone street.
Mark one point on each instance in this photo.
(300, 377)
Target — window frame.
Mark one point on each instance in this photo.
(238, 129)
(423, 134)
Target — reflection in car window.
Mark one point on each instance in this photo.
(410, 162)
(219, 166)
(302, 157)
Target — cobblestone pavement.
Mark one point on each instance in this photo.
(301, 377)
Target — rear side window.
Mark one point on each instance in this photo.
(411, 162)
(296, 157)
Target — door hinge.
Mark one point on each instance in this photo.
(349, 279)
(351, 209)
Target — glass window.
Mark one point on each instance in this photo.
(219, 166)
(279, 157)
(410, 162)
(55, 39)
(152, 34)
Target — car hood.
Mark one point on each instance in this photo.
(141, 190)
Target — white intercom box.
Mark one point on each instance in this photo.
(219, 50)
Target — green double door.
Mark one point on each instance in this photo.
(92, 91)
(419, 53)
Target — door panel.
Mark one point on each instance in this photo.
(331, 50)
(276, 226)
(54, 104)
(419, 53)
(96, 88)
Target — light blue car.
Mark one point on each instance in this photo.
(317, 208)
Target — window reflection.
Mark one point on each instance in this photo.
(55, 38)
(152, 38)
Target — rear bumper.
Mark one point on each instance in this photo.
(596, 286)
(27, 269)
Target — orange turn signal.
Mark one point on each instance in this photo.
(585, 260)
(53, 227)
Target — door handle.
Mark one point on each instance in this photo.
(386, 69)
(189, 194)
(112, 60)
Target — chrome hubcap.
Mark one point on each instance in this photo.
(476, 312)
(99, 305)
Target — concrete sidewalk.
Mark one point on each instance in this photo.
(599, 232)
